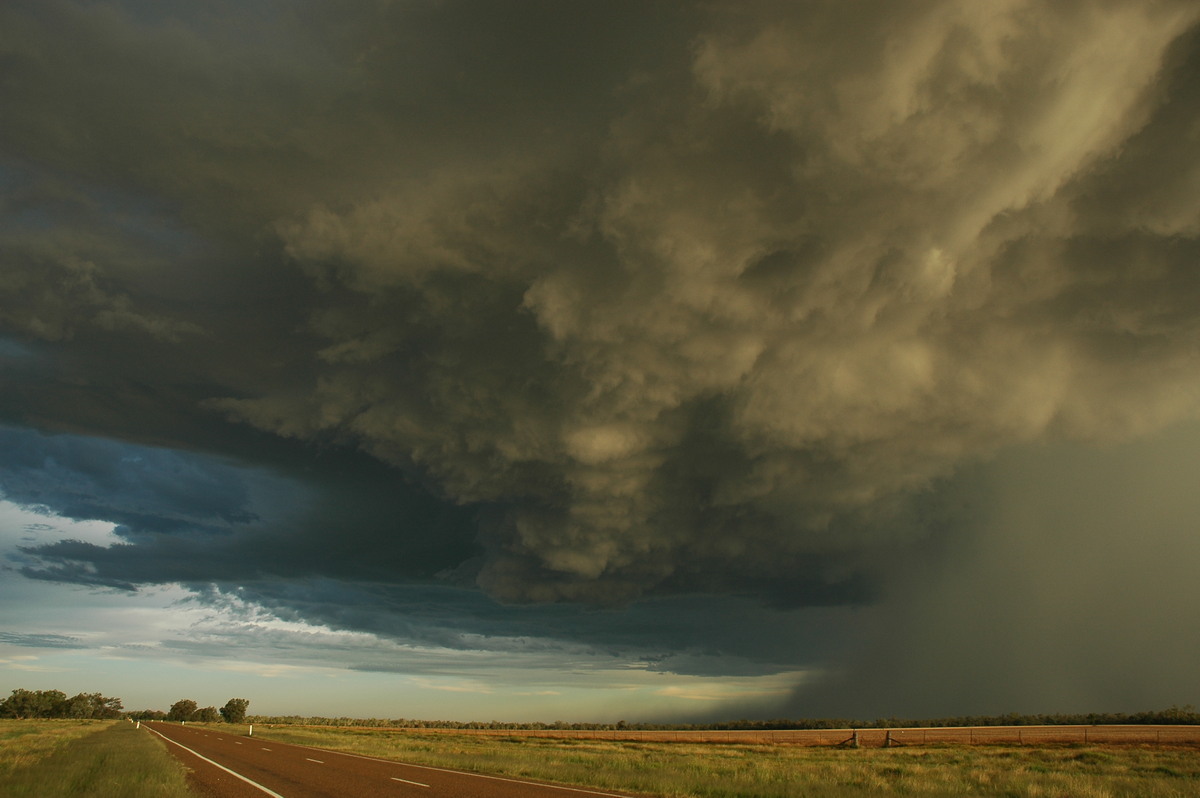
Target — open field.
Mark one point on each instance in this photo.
(86, 759)
(770, 770)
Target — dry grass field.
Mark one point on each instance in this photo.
(762, 769)
(880, 738)
(102, 758)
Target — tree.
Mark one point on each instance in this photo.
(109, 708)
(34, 704)
(21, 704)
(78, 706)
(234, 710)
(91, 705)
(206, 715)
(182, 710)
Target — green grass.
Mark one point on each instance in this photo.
(103, 760)
(716, 770)
(24, 742)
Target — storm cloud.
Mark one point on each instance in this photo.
(588, 315)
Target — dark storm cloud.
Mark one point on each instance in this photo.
(781, 307)
(188, 517)
(690, 635)
(625, 301)
(143, 490)
(341, 557)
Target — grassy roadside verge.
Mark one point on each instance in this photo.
(105, 760)
(678, 770)
(24, 742)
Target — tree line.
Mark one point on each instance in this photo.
(25, 704)
(186, 709)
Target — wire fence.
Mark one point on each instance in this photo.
(880, 738)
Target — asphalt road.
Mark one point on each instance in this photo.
(229, 766)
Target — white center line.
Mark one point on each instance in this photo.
(264, 749)
(582, 790)
(270, 792)
(406, 781)
(318, 761)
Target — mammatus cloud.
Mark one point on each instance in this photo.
(639, 302)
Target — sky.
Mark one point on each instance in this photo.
(655, 361)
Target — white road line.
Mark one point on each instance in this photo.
(583, 790)
(515, 781)
(406, 781)
(264, 749)
(318, 761)
(267, 790)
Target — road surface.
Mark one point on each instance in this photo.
(231, 766)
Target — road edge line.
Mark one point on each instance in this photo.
(251, 782)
